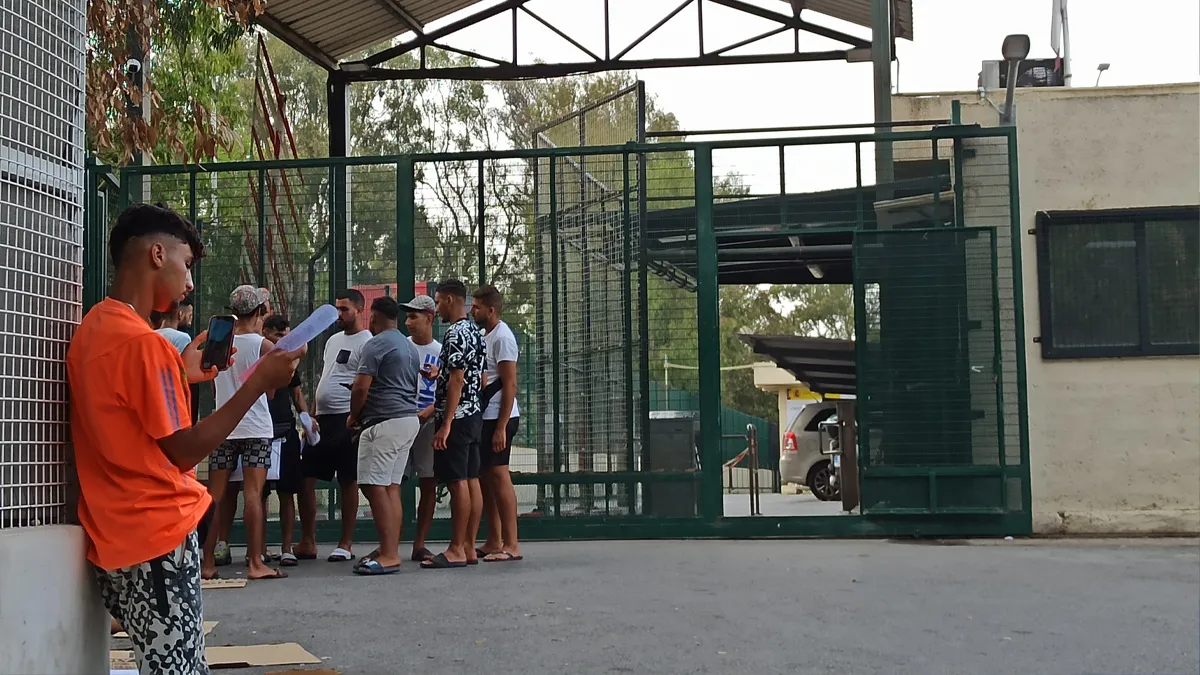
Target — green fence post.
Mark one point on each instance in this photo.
(406, 277)
(627, 292)
(481, 219)
(198, 267)
(1014, 206)
(91, 223)
(262, 228)
(708, 339)
(554, 313)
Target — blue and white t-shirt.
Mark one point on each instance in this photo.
(430, 355)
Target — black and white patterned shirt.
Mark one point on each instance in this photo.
(462, 349)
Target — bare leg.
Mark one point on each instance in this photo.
(425, 510)
(386, 523)
(218, 480)
(495, 529)
(287, 520)
(227, 510)
(506, 507)
(252, 488)
(476, 515)
(308, 518)
(398, 509)
(349, 514)
(460, 515)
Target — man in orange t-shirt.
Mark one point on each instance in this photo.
(135, 446)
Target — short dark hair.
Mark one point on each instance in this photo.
(276, 322)
(157, 318)
(187, 301)
(354, 296)
(452, 287)
(142, 220)
(387, 307)
(488, 296)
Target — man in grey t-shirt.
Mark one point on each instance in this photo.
(383, 410)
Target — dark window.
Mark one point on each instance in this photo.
(1119, 283)
(818, 418)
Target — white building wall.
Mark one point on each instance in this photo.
(1114, 443)
(51, 620)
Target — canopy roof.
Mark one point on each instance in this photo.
(329, 32)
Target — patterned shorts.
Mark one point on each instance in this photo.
(159, 605)
(255, 454)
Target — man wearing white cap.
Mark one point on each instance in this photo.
(420, 313)
(250, 441)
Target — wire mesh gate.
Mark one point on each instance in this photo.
(611, 260)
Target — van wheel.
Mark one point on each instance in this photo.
(818, 482)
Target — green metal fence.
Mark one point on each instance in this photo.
(611, 259)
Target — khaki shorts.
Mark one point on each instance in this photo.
(422, 452)
(383, 451)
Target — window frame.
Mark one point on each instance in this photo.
(1047, 220)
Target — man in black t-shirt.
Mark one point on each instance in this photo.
(291, 472)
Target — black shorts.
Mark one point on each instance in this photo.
(291, 469)
(460, 460)
(335, 455)
(489, 457)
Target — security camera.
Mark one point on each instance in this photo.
(133, 67)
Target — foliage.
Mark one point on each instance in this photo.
(189, 46)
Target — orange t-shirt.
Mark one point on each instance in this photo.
(128, 390)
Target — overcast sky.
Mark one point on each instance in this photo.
(1145, 43)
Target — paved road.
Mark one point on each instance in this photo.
(763, 607)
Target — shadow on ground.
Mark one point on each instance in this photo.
(761, 607)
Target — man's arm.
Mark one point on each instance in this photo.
(358, 398)
(453, 395)
(265, 348)
(507, 370)
(298, 400)
(186, 448)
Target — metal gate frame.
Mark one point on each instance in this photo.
(709, 521)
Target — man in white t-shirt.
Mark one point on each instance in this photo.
(336, 454)
(420, 312)
(501, 416)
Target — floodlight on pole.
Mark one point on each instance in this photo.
(1014, 50)
(1100, 71)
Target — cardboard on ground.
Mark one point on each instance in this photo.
(286, 654)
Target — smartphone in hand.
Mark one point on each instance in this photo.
(218, 344)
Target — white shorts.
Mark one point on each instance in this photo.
(383, 451)
(422, 452)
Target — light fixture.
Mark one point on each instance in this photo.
(1100, 71)
(1014, 49)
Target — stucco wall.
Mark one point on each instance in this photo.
(1114, 443)
(51, 618)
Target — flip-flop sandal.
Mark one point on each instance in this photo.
(508, 557)
(279, 574)
(215, 577)
(288, 560)
(372, 568)
(366, 558)
(439, 562)
(340, 555)
(306, 556)
(473, 562)
(483, 554)
(421, 555)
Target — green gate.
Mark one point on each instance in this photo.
(612, 259)
(930, 379)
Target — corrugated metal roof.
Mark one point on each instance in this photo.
(343, 28)
(336, 30)
(858, 12)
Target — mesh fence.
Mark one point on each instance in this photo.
(597, 255)
(41, 250)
